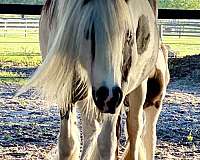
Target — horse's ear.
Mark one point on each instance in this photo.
(154, 6)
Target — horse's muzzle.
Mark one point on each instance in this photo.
(105, 102)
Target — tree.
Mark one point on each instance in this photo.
(21, 1)
(180, 4)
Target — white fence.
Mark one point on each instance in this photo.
(24, 26)
(167, 27)
(179, 28)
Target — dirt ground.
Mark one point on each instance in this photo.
(28, 130)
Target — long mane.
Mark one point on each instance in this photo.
(47, 5)
(54, 77)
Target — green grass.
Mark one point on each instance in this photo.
(25, 51)
(22, 45)
(183, 46)
(11, 80)
(19, 61)
(12, 77)
(8, 74)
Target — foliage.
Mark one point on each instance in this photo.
(180, 4)
(22, 1)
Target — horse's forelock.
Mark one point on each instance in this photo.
(105, 18)
(109, 17)
(106, 27)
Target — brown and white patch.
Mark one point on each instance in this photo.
(155, 87)
(127, 56)
(142, 34)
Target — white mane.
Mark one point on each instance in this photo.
(73, 19)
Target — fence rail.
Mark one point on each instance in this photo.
(179, 28)
(167, 27)
(24, 26)
(10, 28)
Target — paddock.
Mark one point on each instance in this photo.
(29, 131)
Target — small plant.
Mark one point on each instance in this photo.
(7, 137)
(190, 137)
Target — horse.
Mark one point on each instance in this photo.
(97, 54)
(147, 115)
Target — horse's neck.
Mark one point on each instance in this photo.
(139, 7)
(61, 6)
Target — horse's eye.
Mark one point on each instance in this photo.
(129, 37)
(87, 34)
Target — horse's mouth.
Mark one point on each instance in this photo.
(106, 110)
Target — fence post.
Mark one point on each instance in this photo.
(160, 31)
(5, 27)
(25, 27)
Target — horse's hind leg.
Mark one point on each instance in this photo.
(69, 144)
(156, 88)
(149, 137)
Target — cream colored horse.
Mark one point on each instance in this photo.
(97, 52)
(145, 104)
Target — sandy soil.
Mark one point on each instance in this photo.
(29, 130)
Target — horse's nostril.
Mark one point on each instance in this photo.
(117, 92)
(117, 97)
(102, 93)
(100, 96)
(106, 103)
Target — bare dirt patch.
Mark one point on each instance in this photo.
(29, 130)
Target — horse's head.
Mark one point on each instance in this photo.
(109, 48)
(106, 32)
(113, 42)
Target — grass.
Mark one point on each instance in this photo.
(12, 77)
(24, 52)
(184, 45)
(19, 61)
(11, 80)
(8, 74)
(16, 43)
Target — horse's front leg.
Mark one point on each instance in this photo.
(91, 129)
(69, 144)
(107, 139)
(135, 123)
